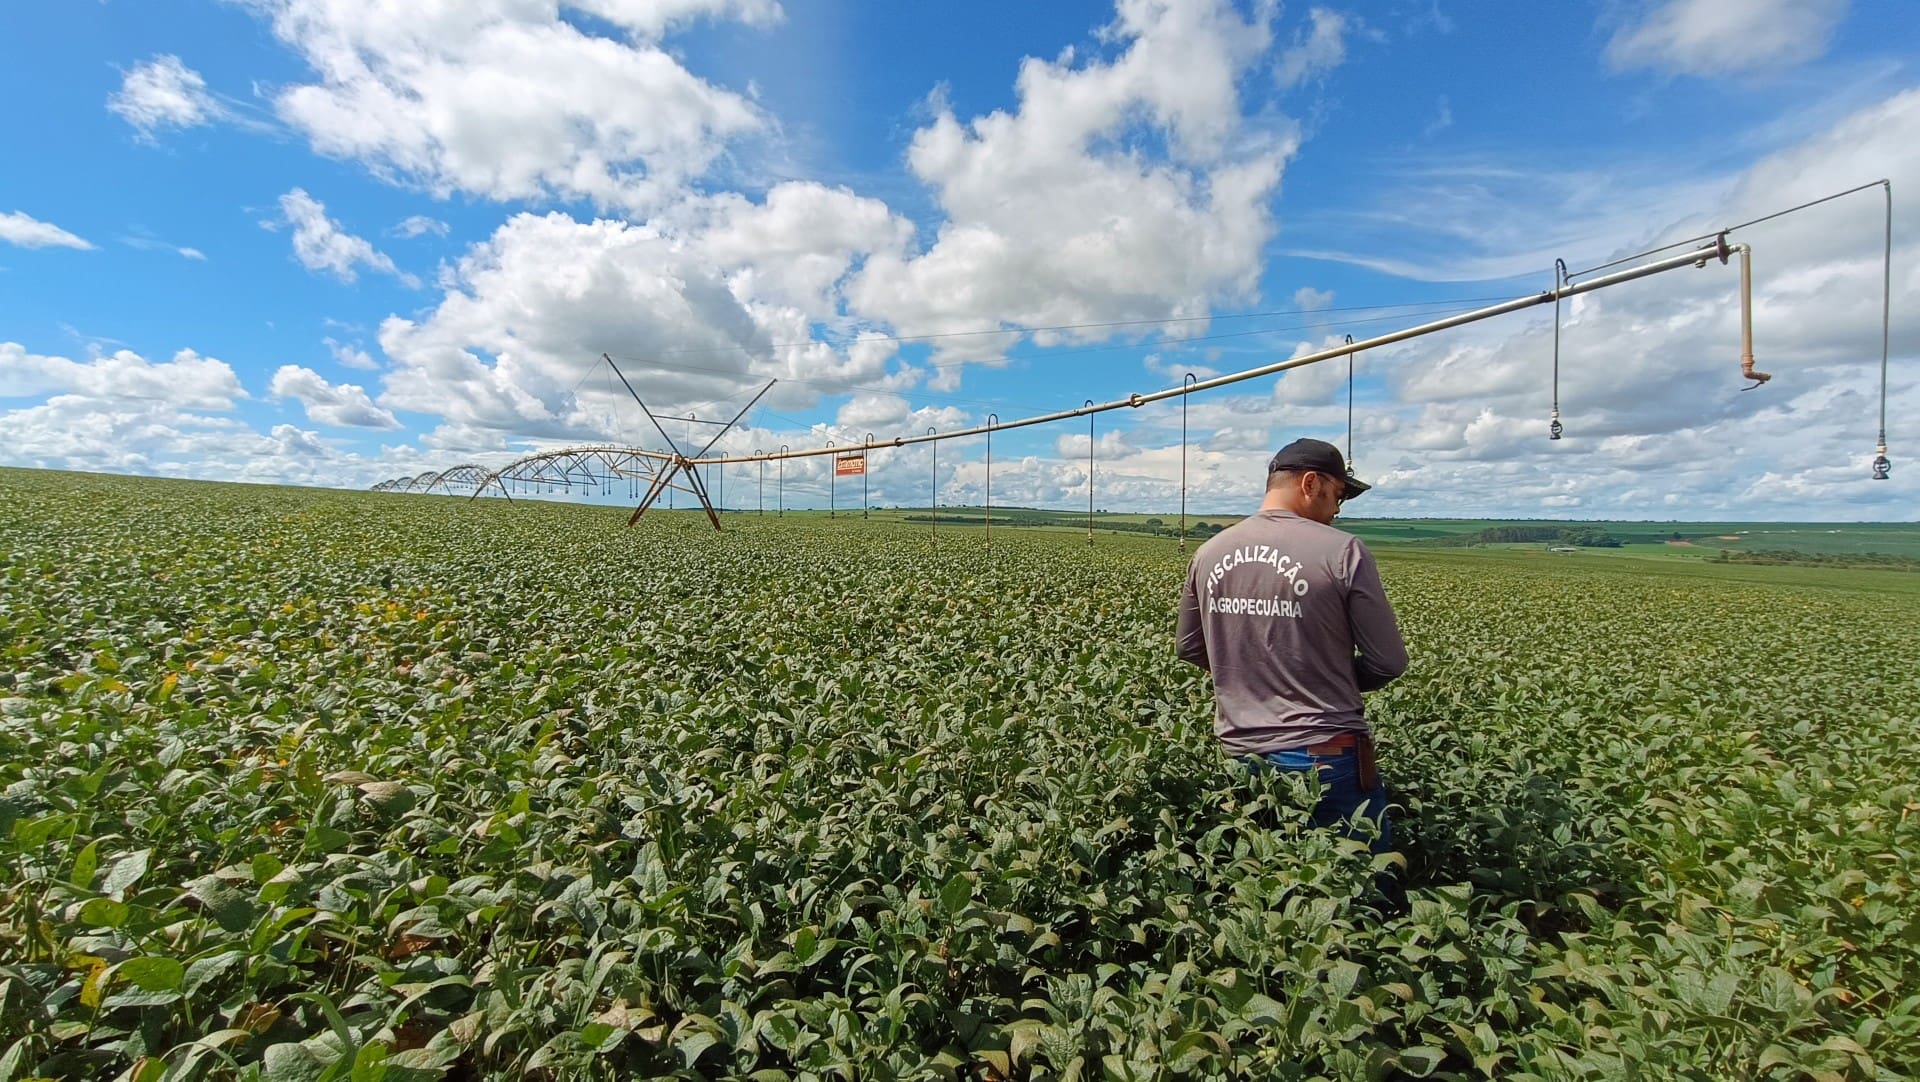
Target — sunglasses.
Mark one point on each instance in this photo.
(1340, 489)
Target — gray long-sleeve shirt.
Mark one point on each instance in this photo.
(1290, 617)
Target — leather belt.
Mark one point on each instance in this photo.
(1334, 745)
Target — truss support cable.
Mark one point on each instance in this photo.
(1735, 228)
(1694, 258)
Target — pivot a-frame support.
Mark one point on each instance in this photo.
(681, 462)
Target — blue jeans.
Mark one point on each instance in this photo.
(1341, 794)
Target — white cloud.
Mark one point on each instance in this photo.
(349, 355)
(1726, 37)
(147, 242)
(1470, 219)
(344, 405)
(796, 246)
(529, 312)
(321, 244)
(164, 93)
(1058, 213)
(1309, 299)
(505, 99)
(19, 228)
(123, 413)
(419, 224)
(74, 432)
(1318, 49)
(188, 381)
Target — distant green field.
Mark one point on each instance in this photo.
(1661, 540)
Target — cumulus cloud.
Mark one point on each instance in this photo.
(795, 247)
(506, 99)
(26, 231)
(350, 355)
(1056, 215)
(693, 319)
(126, 414)
(164, 93)
(344, 405)
(320, 244)
(74, 432)
(1320, 47)
(1714, 37)
(188, 381)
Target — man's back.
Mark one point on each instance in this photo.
(1275, 607)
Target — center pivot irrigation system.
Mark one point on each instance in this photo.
(648, 474)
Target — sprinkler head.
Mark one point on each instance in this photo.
(1881, 467)
(1554, 430)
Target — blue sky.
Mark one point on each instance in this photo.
(336, 241)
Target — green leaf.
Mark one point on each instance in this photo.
(125, 873)
(104, 913)
(207, 969)
(370, 1063)
(152, 973)
(691, 1045)
(84, 865)
(293, 1061)
(955, 895)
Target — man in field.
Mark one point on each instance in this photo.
(1289, 616)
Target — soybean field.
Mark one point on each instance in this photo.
(303, 785)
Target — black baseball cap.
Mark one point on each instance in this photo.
(1317, 456)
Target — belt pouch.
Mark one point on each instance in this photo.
(1369, 772)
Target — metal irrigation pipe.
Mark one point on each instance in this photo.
(833, 484)
(864, 502)
(783, 482)
(763, 483)
(1694, 258)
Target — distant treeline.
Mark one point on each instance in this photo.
(1591, 537)
(1877, 560)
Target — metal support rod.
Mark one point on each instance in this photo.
(763, 484)
(1350, 469)
(783, 482)
(1695, 257)
(1089, 475)
(1554, 428)
(936, 489)
(1881, 467)
(1185, 381)
(1746, 316)
(992, 419)
(864, 501)
(833, 484)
